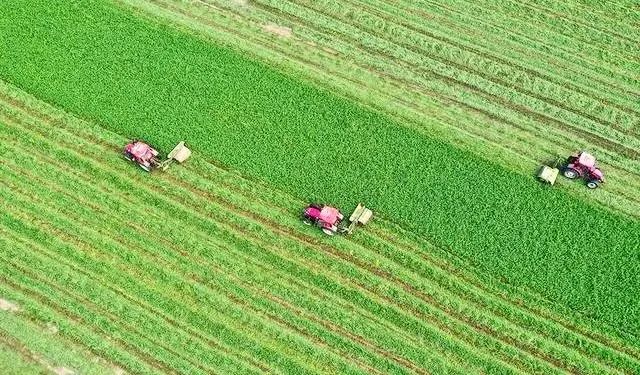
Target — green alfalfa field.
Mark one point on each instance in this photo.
(470, 266)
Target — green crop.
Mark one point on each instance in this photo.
(146, 80)
(201, 270)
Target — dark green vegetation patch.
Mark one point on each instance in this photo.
(144, 80)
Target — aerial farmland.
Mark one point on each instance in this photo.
(319, 186)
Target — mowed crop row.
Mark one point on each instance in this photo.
(200, 270)
(146, 79)
(497, 80)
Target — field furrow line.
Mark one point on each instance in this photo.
(545, 47)
(576, 20)
(46, 300)
(21, 329)
(361, 20)
(407, 60)
(539, 15)
(100, 311)
(611, 13)
(137, 302)
(411, 122)
(498, 14)
(432, 32)
(153, 257)
(134, 300)
(38, 285)
(73, 330)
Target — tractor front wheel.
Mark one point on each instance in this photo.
(571, 173)
(306, 221)
(593, 184)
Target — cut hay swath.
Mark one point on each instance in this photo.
(201, 270)
(493, 84)
(137, 77)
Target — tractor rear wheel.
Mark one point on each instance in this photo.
(593, 184)
(571, 173)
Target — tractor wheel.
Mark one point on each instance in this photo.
(328, 232)
(571, 173)
(593, 184)
(306, 221)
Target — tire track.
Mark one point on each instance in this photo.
(381, 55)
(478, 135)
(42, 300)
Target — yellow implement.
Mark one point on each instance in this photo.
(180, 153)
(548, 174)
(361, 215)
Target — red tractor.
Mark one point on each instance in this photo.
(146, 156)
(583, 165)
(142, 154)
(326, 217)
(329, 219)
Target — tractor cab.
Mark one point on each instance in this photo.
(586, 160)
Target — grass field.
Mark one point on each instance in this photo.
(470, 266)
(270, 126)
(201, 270)
(490, 78)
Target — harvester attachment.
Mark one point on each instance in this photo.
(180, 153)
(361, 215)
(549, 173)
